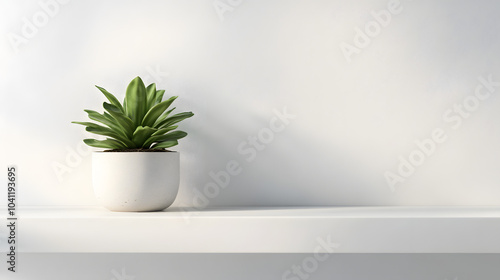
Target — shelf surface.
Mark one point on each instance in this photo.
(259, 230)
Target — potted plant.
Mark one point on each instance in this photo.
(136, 172)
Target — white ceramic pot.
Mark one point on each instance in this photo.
(135, 181)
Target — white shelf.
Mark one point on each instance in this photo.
(260, 230)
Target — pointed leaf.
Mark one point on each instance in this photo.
(176, 135)
(121, 119)
(164, 145)
(150, 96)
(136, 100)
(159, 136)
(107, 144)
(106, 119)
(159, 95)
(101, 130)
(98, 127)
(156, 111)
(164, 130)
(93, 115)
(163, 117)
(114, 123)
(111, 98)
(171, 136)
(125, 111)
(141, 134)
(174, 119)
(87, 124)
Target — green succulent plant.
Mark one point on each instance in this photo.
(144, 121)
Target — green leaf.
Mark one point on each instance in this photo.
(164, 130)
(106, 119)
(101, 130)
(121, 119)
(111, 98)
(125, 106)
(159, 95)
(141, 134)
(93, 115)
(110, 119)
(164, 145)
(136, 100)
(174, 119)
(163, 117)
(96, 127)
(156, 111)
(106, 144)
(160, 136)
(142, 120)
(176, 135)
(88, 124)
(150, 96)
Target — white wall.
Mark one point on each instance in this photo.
(355, 115)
